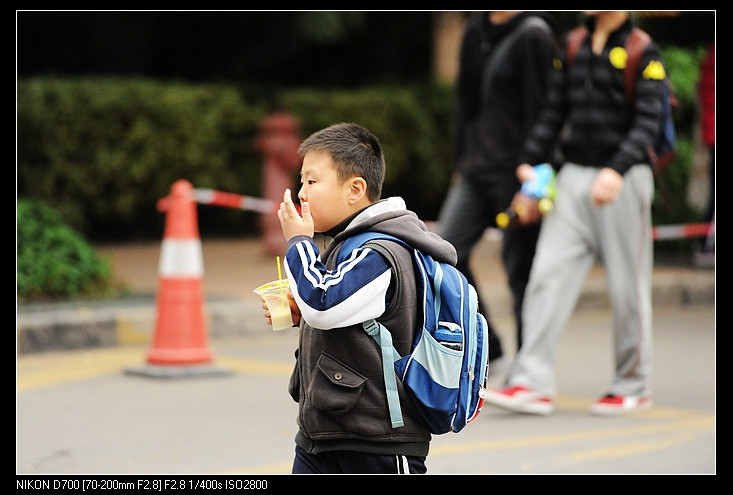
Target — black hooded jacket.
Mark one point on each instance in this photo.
(493, 117)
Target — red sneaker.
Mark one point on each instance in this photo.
(620, 404)
(520, 399)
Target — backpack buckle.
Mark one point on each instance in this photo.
(371, 327)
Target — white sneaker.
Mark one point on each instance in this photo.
(609, 405)
(520, 399)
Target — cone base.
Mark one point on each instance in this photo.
(156, 371)
(179, 356)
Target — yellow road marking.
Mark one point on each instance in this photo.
(49, 369)
(627, 449)
(667, 428)
(697, 422)
(684, 425)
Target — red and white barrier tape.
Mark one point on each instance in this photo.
(260, 205)
(682, 231)
(237, 201)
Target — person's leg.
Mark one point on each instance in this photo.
(563, 258)
(705, 247)
(709, 246)
(356, 463)
(517, 252)
(624, 229)
(710, 209)
(346, 462)
(462, 221)
(304, 463)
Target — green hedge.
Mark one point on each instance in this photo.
(413, 126)
(54, 261)
(670, 204)
(103, 151)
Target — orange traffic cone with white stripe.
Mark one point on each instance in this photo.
(180, 345)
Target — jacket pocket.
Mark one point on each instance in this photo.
(334, 386)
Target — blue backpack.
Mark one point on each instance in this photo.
(447, 368)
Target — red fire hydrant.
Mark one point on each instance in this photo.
(278, 141)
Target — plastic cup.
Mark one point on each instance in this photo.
(275, 294)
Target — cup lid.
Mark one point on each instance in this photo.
(275, 284)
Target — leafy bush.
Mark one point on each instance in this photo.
(413, 125)
(103, 151)
(53, 261)
(670, 201)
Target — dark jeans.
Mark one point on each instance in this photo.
(345, 462)
(710, 208)
(469, 209)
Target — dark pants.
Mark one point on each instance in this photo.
(469, 209)
(710, 208)
(345, 462)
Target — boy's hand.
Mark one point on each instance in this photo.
(291, 222)
(294, 310)
(606, 187)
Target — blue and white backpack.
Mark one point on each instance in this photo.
(447, 368)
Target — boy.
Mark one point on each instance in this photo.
(343, 418)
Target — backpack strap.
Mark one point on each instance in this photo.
(574, 40)
(432, 318)
(381, 335)
(635, 45)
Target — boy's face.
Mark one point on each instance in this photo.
(329, 198)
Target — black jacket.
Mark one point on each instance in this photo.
(493, 117)
(589, 112)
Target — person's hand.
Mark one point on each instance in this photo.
(606, 186)
(525, 173)
(291, 221)
(294, 310)
(526, 208)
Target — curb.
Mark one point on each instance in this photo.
(131, 320)
(94, 324)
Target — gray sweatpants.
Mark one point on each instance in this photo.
(573, 235)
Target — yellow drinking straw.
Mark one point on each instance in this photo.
(280, 280)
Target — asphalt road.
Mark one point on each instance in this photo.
(83, 413)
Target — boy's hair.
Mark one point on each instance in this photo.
(355, 152)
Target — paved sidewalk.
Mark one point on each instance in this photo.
(234, 267)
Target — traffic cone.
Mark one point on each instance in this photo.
(180, 344)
